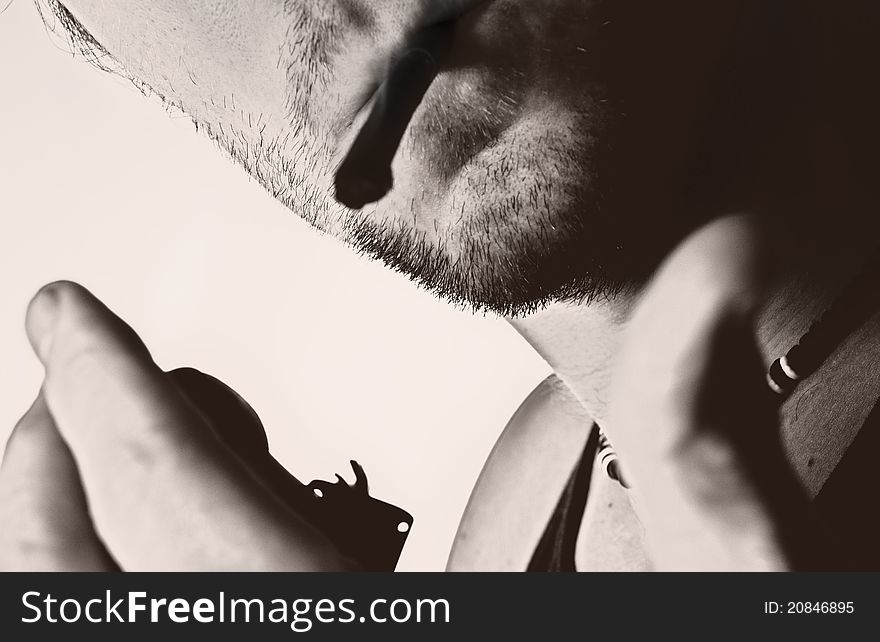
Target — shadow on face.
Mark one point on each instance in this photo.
(564, 149)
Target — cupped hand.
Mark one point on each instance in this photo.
(693, 420)
(115, 466)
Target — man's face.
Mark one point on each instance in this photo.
(535, 163)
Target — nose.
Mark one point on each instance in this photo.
(364, 176)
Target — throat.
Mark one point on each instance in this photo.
(822, 417)
(579, 342)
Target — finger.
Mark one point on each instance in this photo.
(44, 519)
(164, 492)
(690, 414)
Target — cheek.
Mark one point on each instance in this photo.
(212, 59)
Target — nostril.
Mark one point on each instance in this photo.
(365, 176)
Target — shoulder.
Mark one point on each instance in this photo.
(521, 481)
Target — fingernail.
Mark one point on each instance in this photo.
(42, 316)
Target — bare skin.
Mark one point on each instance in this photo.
(556, 240)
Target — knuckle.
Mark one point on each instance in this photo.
(61, 289)
(87, 325)
(67, 289)
(69, 295)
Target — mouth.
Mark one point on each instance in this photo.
(364, 176)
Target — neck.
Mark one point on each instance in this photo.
(811, 167)
(820, 420)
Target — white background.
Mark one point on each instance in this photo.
(341, 358)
